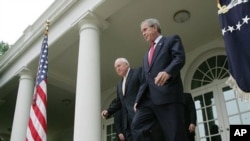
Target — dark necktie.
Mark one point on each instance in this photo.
(151, 53)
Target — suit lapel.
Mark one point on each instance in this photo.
(128, 79)
(120, 88)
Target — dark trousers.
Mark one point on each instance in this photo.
(156, 132)
(190, 136)
(169, 116)
(128, 135)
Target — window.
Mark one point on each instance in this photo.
(213, 68)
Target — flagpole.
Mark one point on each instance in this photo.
(47, 27)
(37, 125)
(46, 32)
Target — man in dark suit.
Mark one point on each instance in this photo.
(160, 97)
(190, 117)
(127, 89)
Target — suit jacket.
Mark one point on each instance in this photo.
(189, 110)
(169, 56)
(118, 123)
(127, 101)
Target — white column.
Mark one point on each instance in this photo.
(23, 102)
(87, 124)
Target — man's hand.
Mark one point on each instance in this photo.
(191, 128)
(104, 114)
(121, 137)
(161, 78)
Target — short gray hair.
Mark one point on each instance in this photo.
(152, 22)
(122, 59)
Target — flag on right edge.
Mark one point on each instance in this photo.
(234, 17)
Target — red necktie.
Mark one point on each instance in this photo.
(151, 53)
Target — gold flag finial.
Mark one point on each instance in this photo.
(47, 27)
(223, 9)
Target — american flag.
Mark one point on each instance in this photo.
(37, 125)
(234, 17)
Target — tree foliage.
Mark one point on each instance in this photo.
(3, 47)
